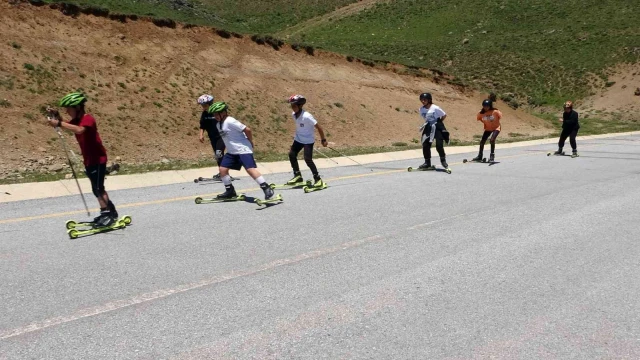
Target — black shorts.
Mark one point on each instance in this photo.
(96, 174)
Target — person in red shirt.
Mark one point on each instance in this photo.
(490, 117)
(94, 154)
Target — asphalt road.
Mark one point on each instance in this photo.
(534, 257)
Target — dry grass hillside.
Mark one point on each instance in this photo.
(143, 81)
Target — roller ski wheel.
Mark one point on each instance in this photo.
(273, 200)
(448, 171)
(200, 200)
(75, 233)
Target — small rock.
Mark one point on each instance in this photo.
(22, 169)
(483, 31)
(121, 36)
(118, 159)
(42, 162)
(41, 149)
(637, 92)
(68, 176)
(165, 161)
(465, 41)
(56, 167)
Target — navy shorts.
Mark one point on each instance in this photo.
(236, 161)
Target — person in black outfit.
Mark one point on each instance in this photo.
(208, 124)
(570, 127)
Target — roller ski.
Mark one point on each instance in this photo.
(426, 167)
(318, 185)
(228, 195)
(102, 223)
(294, 183)
(574, 154)
(269, 197)
(477, 159)
(215, 178)
(558, 153)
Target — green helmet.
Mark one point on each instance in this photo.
(73, 99)
(218, 107)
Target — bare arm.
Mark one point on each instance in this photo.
(323, 139)
(201, 135)
(65, 125)
(247, 131)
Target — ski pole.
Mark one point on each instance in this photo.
(321, 153)
(73, 171)
(341, 154)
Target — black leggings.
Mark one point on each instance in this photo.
(571, 134)
(96, 174)
(485, 135)
(426, 145)
(308, 157)
(218, 149)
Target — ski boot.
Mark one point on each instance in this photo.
(318, 184)
(269, 197)
(228, 194)
(297, 179)
(443, 161)
(492, 158)
(105, 219)
(574, 154)
(113, 210)
(426, 166)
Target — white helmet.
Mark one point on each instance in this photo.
(205, 99)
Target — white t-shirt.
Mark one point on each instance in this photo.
(431, 114)
(236, 142)
(305, 128)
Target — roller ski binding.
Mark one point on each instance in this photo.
(574, 154)
(295, 182)
(318, 185)
(104, 222)
(269, 197)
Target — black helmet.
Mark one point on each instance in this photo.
(426, 96)
(487, 102)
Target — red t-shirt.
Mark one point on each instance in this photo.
(90, 143)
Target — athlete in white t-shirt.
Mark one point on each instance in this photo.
(304, 139)
(433, 129)
(238, 140)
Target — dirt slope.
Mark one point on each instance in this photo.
(619, 100)
(143, 81)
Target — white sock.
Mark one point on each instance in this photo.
(260, 180)
(226, 180)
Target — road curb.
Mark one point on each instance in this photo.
(49, 189)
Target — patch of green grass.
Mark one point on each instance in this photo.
(5, 103)
(542, 49)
